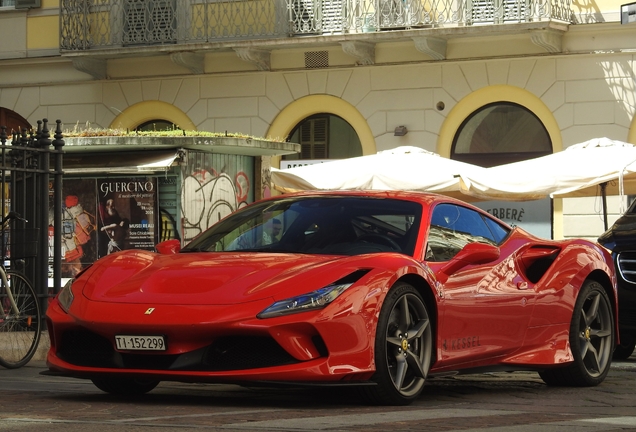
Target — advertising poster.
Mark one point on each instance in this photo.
(127, 209)
(79, 237)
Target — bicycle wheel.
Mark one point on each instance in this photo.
(19, 333)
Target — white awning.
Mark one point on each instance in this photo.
(575, 172)
(120, 163)
(402, 168)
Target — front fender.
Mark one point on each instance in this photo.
(358, 310)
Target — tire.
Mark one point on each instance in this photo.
(625, 349)
(19, 334)
(592, 337)
(124, 386)
(403, 348)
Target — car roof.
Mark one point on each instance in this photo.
(428, 199)
(424, 197)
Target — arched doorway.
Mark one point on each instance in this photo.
(294, 114)
(324, 136)
(148, 112)
(498, 94)
(500, 133)
(13, 121)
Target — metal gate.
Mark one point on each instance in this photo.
(31, 185)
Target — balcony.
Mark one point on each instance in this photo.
(134, 25)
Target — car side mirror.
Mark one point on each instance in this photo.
(168, 247)
(472, 253)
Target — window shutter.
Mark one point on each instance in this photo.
(25, 4)
(320, 138)
(332, 16)
(313, 138)
(305, 140)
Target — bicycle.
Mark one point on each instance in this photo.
(20, 316)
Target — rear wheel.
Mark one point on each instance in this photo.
(124, 386)
(403, 348)
(592, 338)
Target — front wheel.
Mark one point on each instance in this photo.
(592, 337)
(124, 386)
(19, 325)
(403, 348)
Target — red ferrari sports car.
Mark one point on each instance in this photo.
(377, 290)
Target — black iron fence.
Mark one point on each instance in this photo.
(31, 185)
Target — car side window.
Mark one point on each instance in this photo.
(453, 227)
(498, 231)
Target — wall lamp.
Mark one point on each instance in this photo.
(400, 131)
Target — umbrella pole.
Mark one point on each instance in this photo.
(604, 196)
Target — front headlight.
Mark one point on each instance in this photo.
(65, 297)
(314, 300)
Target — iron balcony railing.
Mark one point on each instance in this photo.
(86, 24)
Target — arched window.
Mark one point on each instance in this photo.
(157, 125)
(499, 133)
(325, 136)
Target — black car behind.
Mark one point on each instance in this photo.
(621, 240)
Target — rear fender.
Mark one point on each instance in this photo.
(535, 260)
(557, 290)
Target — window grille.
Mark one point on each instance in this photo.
(318, 16)
(152, 21)
(316, 59)
(497, 11)
(303, 16)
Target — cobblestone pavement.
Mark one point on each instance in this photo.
(500, 402)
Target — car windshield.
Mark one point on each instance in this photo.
(316, 225)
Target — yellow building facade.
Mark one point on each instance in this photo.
(284, 69)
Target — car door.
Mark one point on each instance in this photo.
(485, 308)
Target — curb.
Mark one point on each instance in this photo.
(43, 347)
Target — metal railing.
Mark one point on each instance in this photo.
(86, 24)
(31, 181)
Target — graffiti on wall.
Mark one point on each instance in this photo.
(212, 187)
(207, 197)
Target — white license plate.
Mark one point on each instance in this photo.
(140, 343)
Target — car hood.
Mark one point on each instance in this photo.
(208, 278)
(622, 235)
